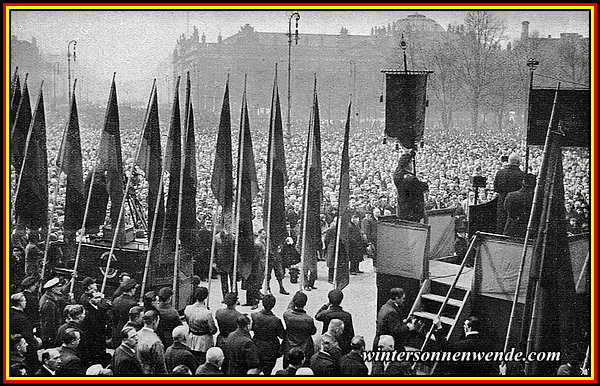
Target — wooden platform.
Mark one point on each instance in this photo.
(445, 272)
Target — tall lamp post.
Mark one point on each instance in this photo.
(532, 64)
(55, 71)
(289, 96)
(69, 63)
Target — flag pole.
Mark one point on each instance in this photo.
(338, 236)
(124, 200)
(153, 229)
(212, 250)
(181, 170)
(56, 187)
(309, 151)
(82, 234)
(239, 189)
(268, 194)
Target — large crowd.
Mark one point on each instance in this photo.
(447, 160)
(88, 334)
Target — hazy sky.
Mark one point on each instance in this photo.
(134, 42)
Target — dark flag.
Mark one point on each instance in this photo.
(20, 128)
(405, 105)
(310, 232)
(274, 199)
(189, 179)
(15, 98)
(31, 204)
(173, 165)
(247, 187)
(222, 176)
(150, 161)
(341, 251)
(111, 161)
(70, 163)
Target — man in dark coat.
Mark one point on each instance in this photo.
(202, 259)
(411, 202)
(240, 349)
(518, 208)
(333, 310)
(268, 331)
(180, 354)
(472, 342)
(353, 363)
(224, 243)
(51, 362)
(357, 244)
(296, 360)
(71, 363)
(254, 279)
(508, 179)
(300, 328)
(390, 319)
(50, 312)
(95, 329)
(120, 308)
(390, 367)
(169, 317)
(124, 361)
(74, 315)
(30, 290)
(289, 254)
(19, 324)
(18, 363)
(214, 361)
(323, 362)
(369, 227)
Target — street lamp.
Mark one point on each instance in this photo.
(69, 63)
(532, 64)
(55, 71)
(289, 96)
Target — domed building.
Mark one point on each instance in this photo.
(418, 23)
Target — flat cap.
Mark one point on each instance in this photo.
(29, 281)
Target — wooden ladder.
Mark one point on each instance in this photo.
(451, 304)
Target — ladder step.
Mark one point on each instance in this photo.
(440, 299)
(430, 316)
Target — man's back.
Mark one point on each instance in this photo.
(336, 312)
(299, 330)
(353, 364)
(242, 353)
(150, 352)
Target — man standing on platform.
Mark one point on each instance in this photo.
(508, 179)
(411, 202)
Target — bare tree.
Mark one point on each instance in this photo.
(476, 50)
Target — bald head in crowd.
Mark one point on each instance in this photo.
(386, 343)
(335, 328)
(215, 356)
(180, 333)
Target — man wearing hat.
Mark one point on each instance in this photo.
(508, 179)
(333, 310)
(411, 202)
(518, 208)
(50, 312)
(169, 317)
(461, 244)
(89, 286)
(120, 308)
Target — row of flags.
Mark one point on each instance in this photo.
(173, 218)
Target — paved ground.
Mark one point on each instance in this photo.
(360, 299)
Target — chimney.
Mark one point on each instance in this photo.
(525, 31)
